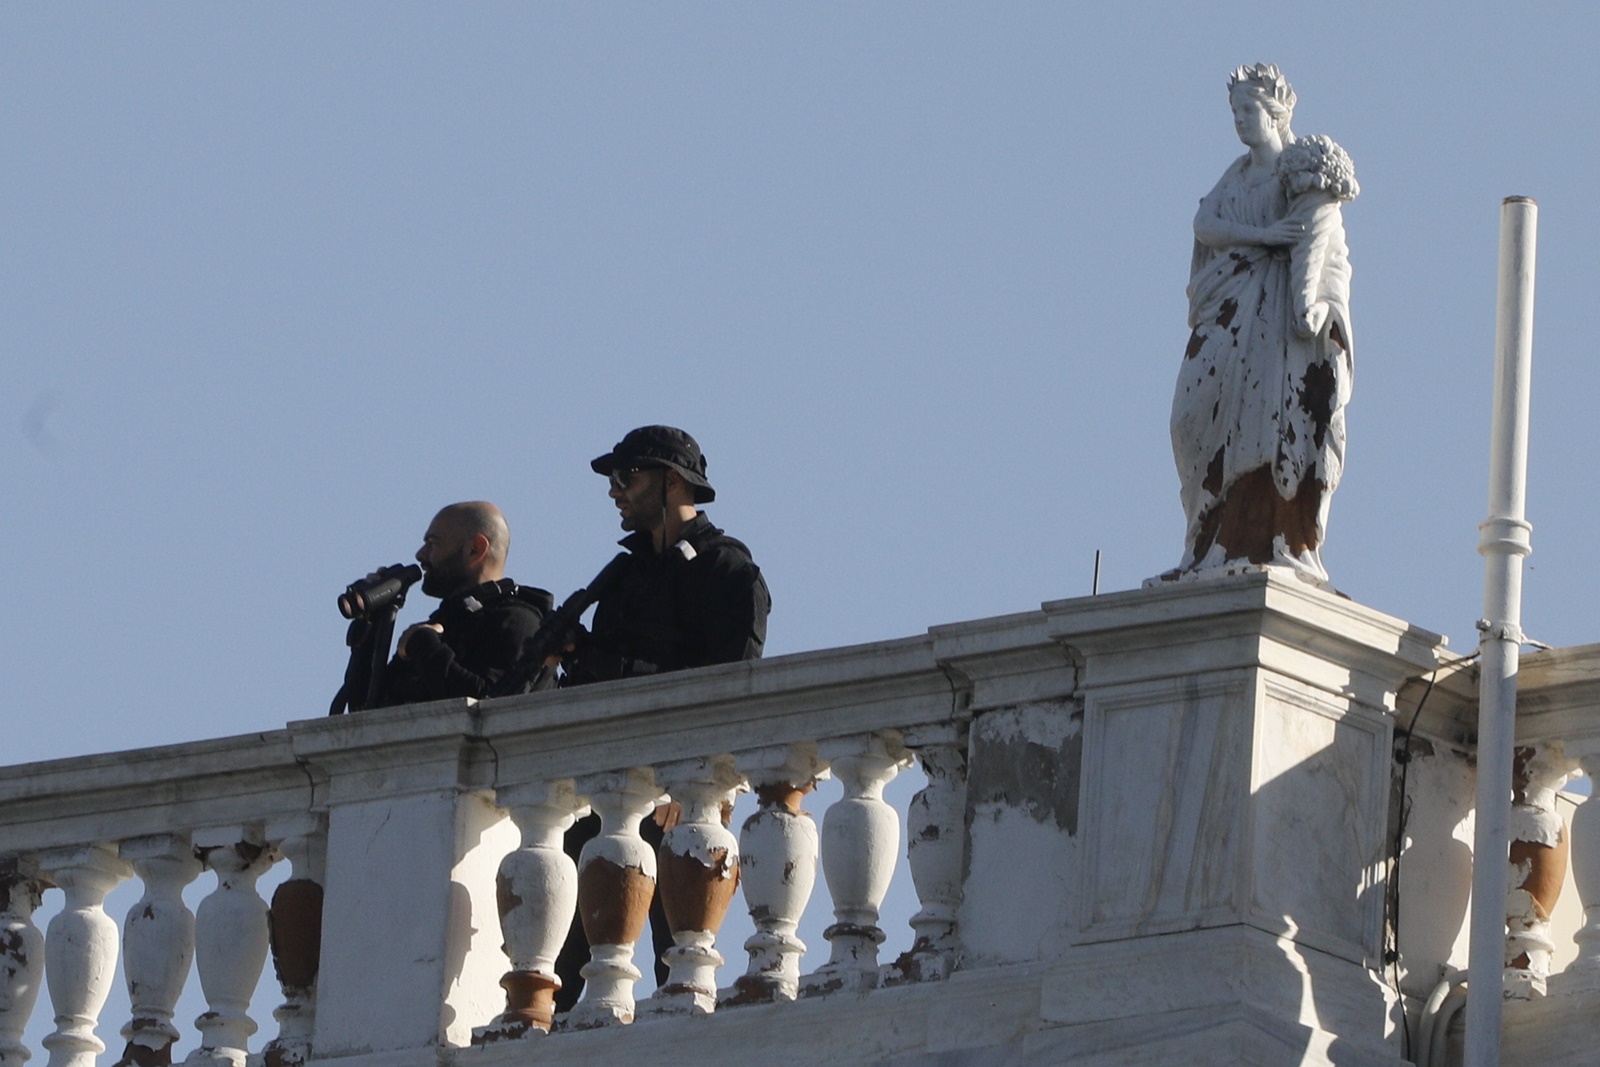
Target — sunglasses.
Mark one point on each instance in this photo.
(622, 477)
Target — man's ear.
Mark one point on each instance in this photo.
(676, 486)
(478, 550)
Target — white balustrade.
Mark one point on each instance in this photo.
(778, 851)
(1539, 847)
(21, 956)
(537, 891)
(231, 941)
(699, 870)
(81, 945)
(295, 924)
(860, 844)
(936, 846)
(158, 944)
(1584, 972)
(616, 881)
(414, 798)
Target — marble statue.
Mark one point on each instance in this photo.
(1258, 414)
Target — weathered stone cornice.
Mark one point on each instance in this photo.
(724, 708)
(1263, 619)
(1558, 698)
(116, 795)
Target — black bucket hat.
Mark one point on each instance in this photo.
(660, 446)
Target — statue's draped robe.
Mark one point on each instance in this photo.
(1254, 398)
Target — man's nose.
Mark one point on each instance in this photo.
(422, 554)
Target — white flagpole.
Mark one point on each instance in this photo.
(1503, 541)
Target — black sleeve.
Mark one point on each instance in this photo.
(399, 684)
(736, 609)
(721, 603)
(597, 655)
(498, 643)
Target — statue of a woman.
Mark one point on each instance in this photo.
(1258, 415)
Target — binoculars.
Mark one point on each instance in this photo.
(377, 591)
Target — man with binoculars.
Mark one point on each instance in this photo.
(485, 620)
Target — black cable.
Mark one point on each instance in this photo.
(663, 551)
(1391, 896)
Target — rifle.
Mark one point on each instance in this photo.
(557, 629)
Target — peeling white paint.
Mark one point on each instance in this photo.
(1018, 895)
(1536, 826)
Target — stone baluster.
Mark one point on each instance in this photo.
(1584, 972)
(294, 923)
(158, 945)
(778, 851)
(80, 949)
(699, 864)
(616, 881)
(231, 938)
(1539, 848)
(860, 844)
(536, 890)
(936, 845)
(21, 955)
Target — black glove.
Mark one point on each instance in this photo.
(591, 660)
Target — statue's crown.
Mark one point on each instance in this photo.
(1264, 79)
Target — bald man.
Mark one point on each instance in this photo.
(484, 621)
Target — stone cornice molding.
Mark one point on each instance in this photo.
(1258, 619)
(1450, 710)
(394, 752)
(118, 795)
(726, 708)
(1558, 698)
(1008, 660)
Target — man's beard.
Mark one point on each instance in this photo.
(447, 577)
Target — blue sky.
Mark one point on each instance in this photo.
(279, 281)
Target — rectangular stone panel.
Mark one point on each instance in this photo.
(1319, 796)
(1166, 771)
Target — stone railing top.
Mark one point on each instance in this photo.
(118, 795)
(1204, 624)
(1201, 602)
(1558, 698)
(452, 744)
(919, 682)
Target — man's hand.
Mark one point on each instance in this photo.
(402, 647)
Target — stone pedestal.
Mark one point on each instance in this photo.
(414, 842)
(1222, 835)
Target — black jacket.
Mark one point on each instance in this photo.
(485, 632)
(667, 612)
